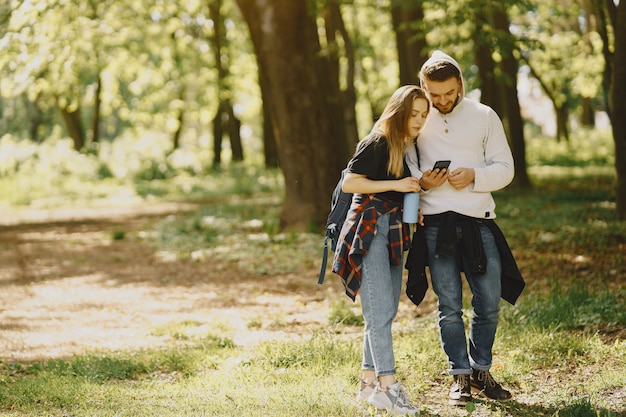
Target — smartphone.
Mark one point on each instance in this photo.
(441, 165)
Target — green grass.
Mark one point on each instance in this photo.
(561, 349)
(315, 377)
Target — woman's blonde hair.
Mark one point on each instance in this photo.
(393, 124)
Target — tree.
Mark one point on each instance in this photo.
(407, 18)
(311, 149)
(561, 55)
(508, 87)
(336, 37)
(618, 106)
(611, 24)
(225, 114)
(492, 48)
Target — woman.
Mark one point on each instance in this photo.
(370, 250)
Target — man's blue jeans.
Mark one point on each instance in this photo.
(486, 289)
(380, 294)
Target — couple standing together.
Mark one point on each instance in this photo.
(456, 231)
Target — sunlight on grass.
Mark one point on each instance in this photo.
(561, 349)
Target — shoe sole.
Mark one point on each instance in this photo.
(393, 411)
(378, 405)
(460, 403)
(484, 395)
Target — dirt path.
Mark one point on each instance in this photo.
(67, 287)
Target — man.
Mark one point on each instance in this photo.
(460, 233)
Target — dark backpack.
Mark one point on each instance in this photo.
(339, 206)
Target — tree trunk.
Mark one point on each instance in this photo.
(36, 118)
(562, 117)
(234, 133)
(489, 89)
(603, 24)
(334, 25)
(299, 93)
(95, 120)
(617, 107)
(513, 114)
(181, 121)
(74, 127)
(407, 18)
(225, 113)
(218, 135)
(271, 142)
(588, 117)
(270, 151)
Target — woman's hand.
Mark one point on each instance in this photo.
(408, 185)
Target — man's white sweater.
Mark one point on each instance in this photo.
(470, 136)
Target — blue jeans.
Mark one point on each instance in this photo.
(380, 294)
(486, 290)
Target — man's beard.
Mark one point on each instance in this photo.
(458, 97)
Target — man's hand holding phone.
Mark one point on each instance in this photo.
(441, 165)
(436, 176)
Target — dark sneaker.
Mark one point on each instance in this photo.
(483, 383)
(460, 392)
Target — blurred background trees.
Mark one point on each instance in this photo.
(295, 83)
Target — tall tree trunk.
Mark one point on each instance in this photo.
(271, 142)
(225, 113)
(611, 19)
(489, 91)
(74, 126)
(181, 120)
(513, 114)
(270, 150)
(489, 88)
(602, 11)
(588, 117)
(234, 132)
(562, 117)
(334, 25)
(218, 135)
(407, 18)
(617, 106)
(36, 118)
(299, 93)
(97, 103)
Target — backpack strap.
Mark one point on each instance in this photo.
(320, 280)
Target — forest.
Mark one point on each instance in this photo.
(166, 170)
(296, 83)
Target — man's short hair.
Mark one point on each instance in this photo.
(440, 71)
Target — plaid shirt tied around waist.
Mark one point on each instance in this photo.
(356, 236)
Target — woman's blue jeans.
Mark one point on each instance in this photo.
(486, 290)
(380, 294)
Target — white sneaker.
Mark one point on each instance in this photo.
(394, 399)
(365, 390)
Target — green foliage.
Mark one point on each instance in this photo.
(240, 233)
(577, 308)
(118, 235)
(319, 352)
(586, 147)
(583, 408)
(152, 61)
(344, 314)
